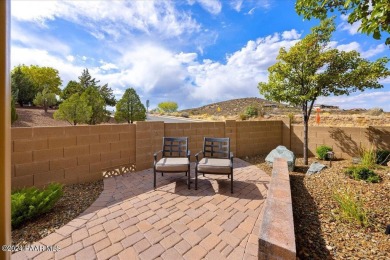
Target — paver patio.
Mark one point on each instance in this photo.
(131, 220)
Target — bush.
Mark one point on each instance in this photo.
(368, 158)
(14, 115)
(382, 156)
(351, 208)
(32, 202)
(243, 117)
(375, 111)
(322, 150)
(363, 173)
(251, 111)
(185, 114)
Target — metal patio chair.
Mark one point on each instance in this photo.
(175, 157)
(217, 159)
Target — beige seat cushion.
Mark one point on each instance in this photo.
(172, 164)
(214, 165)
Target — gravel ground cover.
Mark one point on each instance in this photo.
(320, 231)
(76, 199)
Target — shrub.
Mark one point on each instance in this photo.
(351, 207)
(363, 173)
(251, 111)
(368, 158)
(14, 115)
(375, 111)
(291, 117)
(382, 156)
(322, 150)
(243, 117)
(32, 202)
(185, 114)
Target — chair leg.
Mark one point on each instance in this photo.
(196, 178)
(231, 183)
(162, 174)
(188, 177)
(154, 178)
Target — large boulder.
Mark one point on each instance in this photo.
(315, 167)
(281, 152)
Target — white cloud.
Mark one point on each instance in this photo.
(236, 5)
(291, 35)
(374, 51)
(108, 66)
(360, 100)
(351, 28)
(352, 46)
(211, 6)
(70, 58)
(160, 17)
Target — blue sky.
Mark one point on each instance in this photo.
(193, 52)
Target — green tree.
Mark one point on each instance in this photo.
(86, 80)
(168, 106)
(75, 110)
(71, 88)
(45, 99)
(14, 115)
(21, 86)
(311, 69)
(108, 95)
(374, 15)
(97, 103)
(129, 108)
(43, 78)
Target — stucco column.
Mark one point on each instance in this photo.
(5, 130)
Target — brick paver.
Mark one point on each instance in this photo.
(131, 220)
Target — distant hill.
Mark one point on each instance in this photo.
(230, 107)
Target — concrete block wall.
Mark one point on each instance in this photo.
(73, 154)
(345, 141)
(257, 137)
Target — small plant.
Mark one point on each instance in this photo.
(243, 117)
(31, 202)
(322, 150)
(351, 207)
(251, 111)
(185, 114)
(376, 111)
(369, 158)
(363, 173)
(291, 117)
(382, 156)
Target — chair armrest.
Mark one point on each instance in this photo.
(197, 155)
(155, 155)
(231, 157)
(188, 154)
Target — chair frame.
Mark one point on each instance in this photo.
(209, 145)
(170, 152)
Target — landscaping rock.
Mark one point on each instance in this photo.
(315, 167)
(388, 163)
(281, 152)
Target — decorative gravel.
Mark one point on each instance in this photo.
(320, 231)
(76, 199)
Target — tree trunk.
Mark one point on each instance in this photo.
(305, 139)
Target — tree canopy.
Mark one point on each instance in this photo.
(71, 88)
(75, 110)
(373, 15)
(43, 78)
(21, 87)
(311, 69)
(168, 106)
(45, 99)
(129, 108)
(97, 104)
